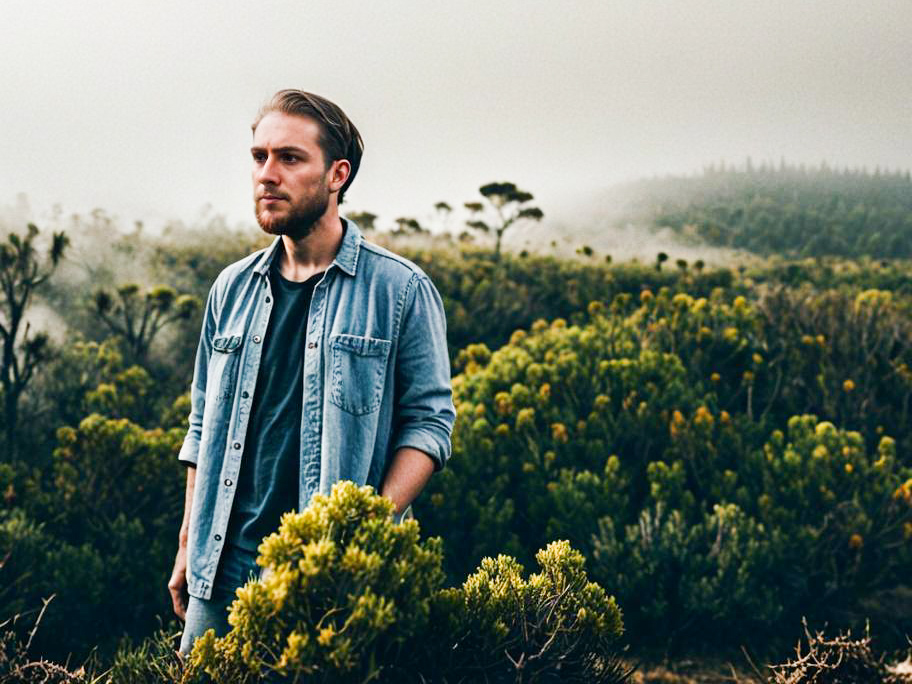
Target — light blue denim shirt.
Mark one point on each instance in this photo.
(376, 378)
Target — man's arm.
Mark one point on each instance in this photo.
(407, 475)
(177, 585)
(189, 453)
(423, 413)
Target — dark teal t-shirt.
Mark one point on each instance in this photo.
(267, 484)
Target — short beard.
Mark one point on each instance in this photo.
(299, 222)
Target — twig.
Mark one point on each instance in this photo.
(46, 601)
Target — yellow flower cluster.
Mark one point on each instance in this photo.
(677, 425)
(517, 336)
(904, 492)
(703, 418)
(559, 433)
(872, 298)
(525, 418)
(544, 392)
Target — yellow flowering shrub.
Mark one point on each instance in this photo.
(350, 596)
(692, 399)
(557, 619)
(345, 590)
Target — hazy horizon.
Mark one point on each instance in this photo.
(144, 111)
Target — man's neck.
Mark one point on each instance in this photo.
(302, 258)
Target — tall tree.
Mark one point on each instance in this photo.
(22, 270)
(509, 205)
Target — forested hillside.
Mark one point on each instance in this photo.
(793, 211)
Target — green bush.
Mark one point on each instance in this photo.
(109, 512)
(35, 565)
(346, 591)
(515, 291)
(557, 626)
(643, 436)
(154, 660)
(350, 596)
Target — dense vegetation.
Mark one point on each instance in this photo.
(787, 210)
(686, 445)
(725, 450)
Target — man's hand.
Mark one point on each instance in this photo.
(177, 585)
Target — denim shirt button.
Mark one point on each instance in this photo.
(228, 482)
(268, 300)
(256, 338)
(218, 537)
(236, 445)
(245, 394)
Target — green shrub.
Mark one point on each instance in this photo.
(515, 291)
(557, 626)
(346, 591)
(350, 596)
(153, 661)
(35, 565)
(110, 510)
(652, 437)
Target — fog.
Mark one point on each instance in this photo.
(143, 109)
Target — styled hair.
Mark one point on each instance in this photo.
(339, 139)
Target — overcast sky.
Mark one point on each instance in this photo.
(143, 108)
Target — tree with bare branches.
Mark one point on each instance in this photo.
(138, 316)
(22, 271)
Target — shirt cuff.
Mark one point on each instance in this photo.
(435, 443)
(189, 453)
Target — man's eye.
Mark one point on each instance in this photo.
(259, 157)
(289, 158)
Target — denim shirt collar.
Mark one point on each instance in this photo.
(346, 258)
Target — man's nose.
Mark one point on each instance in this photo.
(267, 172)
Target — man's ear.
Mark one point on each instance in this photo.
(338, 174)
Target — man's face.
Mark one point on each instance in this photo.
(291, 184)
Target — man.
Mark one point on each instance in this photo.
(321, 358)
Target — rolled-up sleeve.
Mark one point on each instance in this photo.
(189, 452)
(424, 412)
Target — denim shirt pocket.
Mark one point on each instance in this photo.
(358, 372)
(223, 365)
